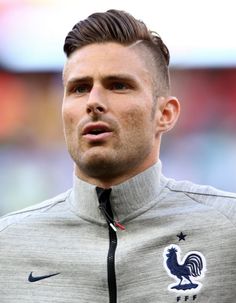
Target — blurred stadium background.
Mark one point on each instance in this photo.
(34, 163)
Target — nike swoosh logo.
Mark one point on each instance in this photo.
(35, 279)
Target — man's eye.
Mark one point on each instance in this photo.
(81, 89)
(119, 86)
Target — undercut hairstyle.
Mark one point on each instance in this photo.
(121, 27)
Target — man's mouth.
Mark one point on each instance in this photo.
(96, 131)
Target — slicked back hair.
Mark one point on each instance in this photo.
(121, 27)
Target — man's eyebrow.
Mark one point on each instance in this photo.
(78, 80)
(119, 77)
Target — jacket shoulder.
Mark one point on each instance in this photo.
(222, 201)
(17, 216)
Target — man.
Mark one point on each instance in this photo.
(124, 232)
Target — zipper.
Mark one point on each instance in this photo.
(111, 260)
(105, 207)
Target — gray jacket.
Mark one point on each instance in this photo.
(178, 245)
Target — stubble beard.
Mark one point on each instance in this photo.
(114, 160)
(96, 163)
(99, 162)
(108, 163)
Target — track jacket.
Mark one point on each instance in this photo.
(179, 245)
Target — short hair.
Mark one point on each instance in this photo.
(120, 27)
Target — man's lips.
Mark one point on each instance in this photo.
(96, 131)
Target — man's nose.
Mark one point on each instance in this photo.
(96, 103)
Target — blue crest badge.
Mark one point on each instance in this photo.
(186, 271)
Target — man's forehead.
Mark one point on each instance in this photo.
(113, 53)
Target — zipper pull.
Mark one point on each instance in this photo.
(120, 226)
(113, 224)
(107, 218)
(113, 227)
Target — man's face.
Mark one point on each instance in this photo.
(108, 112)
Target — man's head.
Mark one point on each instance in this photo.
(116, 103)
(123, 28)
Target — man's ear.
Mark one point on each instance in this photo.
(169, 110)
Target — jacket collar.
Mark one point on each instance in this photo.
(128, 199)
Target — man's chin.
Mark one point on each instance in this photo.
(97, 164)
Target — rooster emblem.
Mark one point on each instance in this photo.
(192, 266)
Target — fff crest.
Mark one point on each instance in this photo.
(186, 270)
